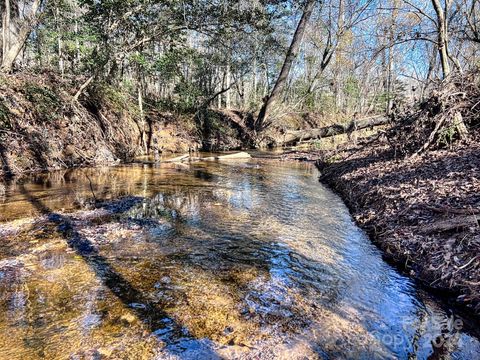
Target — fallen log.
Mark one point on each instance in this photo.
(459, 222)
(240, 155)
(293, 137)
(186, 157)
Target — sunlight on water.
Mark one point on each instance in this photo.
(208, 260)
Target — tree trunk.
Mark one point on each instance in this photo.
(253, 96)
(142, 116)
(287, 65)
(294, 137)
(77, 42)
(228, 101)
(61, 67)
(391, 57)
(11, 55)
(6, 30)
(442, 30)
(330, 46)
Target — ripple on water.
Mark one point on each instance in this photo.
(219, 260)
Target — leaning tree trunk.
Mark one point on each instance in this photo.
(287, 65)
(6, 29)
(442, 30)
(26, 28)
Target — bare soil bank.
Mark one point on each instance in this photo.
(43, 128)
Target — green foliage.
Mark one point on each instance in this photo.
(128, 86)
(447, 135)
(120, 99)
(352, 88)
(188, 95)
(139, 59)
(218, 126)
(326, 104)
(380, 101)
(116, 97)
(46, 102)
(399, 94)
(168, 64)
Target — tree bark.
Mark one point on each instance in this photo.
(442, 37)
(391, 57)
(287, 65)
(6, 29)
(253, 96)
(228, 103)
(25, 30)
(142, 115)
(59, 43)
(82, 88)
(294, 137)
(77, 42)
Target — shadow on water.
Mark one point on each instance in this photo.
(211, 247)
(149, 313)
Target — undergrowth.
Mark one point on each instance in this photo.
(46, 102)
(442, 120)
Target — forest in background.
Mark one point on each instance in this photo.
(356, 57)
(139, 76)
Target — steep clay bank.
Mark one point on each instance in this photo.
(42, 128)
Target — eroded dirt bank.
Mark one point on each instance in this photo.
(42, 126)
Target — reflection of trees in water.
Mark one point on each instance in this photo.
(223, 274)
(222, 242)
(68, 189)
(435, 331)
(176, 205)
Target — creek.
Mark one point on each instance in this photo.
(248, 259)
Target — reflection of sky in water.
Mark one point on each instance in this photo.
(385, 300)
(228, 251)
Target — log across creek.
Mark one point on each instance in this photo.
(293, 137)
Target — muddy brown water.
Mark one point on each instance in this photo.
(237, 259)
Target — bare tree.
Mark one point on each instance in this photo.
(287, 65)
(442, 35)
(6, 28)
(26, 27)
(471, 13)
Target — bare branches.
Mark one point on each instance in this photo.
(421, 11)
(12, 51)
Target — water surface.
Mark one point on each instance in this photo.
(238, 259)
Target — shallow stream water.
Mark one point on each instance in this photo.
(236, 259)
